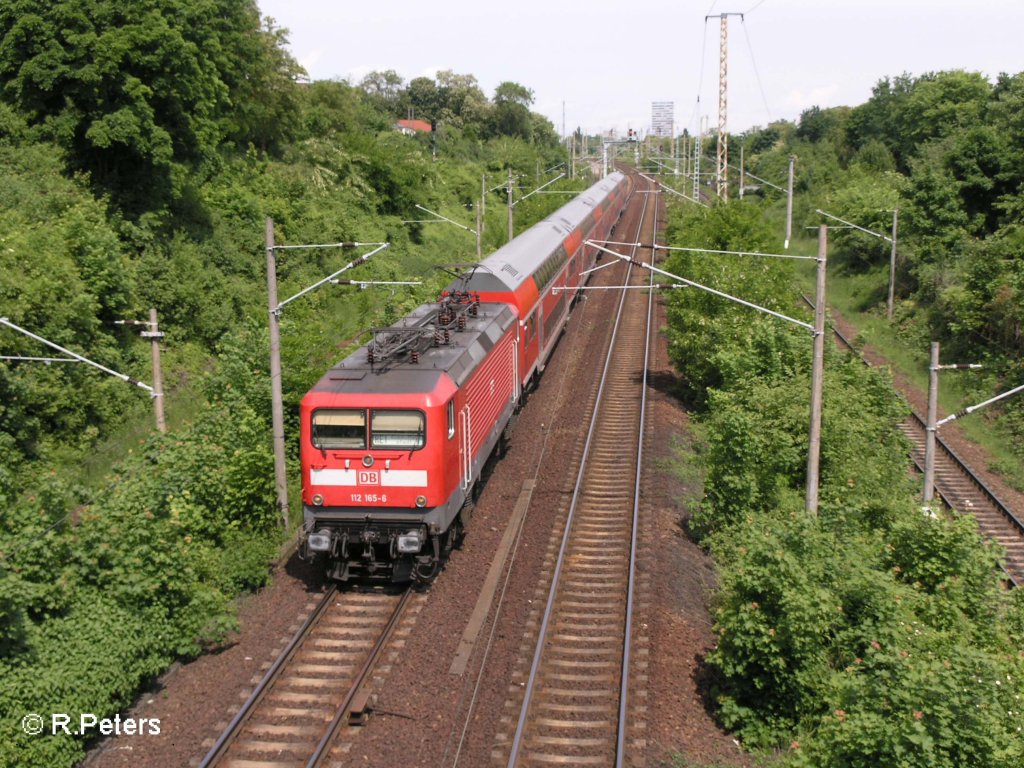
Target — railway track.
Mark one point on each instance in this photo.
(962, 490)
(575, 708)
(316, 686)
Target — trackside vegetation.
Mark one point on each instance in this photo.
(872, 633)
(142, 146)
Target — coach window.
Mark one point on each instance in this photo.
(451, 419)
(339, 428)
(397, 429)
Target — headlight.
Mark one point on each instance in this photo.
(421, 501)
(411, 542)
(319, 541)
(318, 500)
(367, 461)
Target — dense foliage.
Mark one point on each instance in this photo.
(872, 633)
(945, 148)
(142, 146)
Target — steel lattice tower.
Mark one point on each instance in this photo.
(723, 103)
(722, 170)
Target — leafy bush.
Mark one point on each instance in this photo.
(872, 633)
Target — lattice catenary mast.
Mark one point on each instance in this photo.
(722, 171)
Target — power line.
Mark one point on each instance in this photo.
(700, 81)
(759, 4)
(757, 74)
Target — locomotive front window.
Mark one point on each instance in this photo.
(397, 429)
(339, 428)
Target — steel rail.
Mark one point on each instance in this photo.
(624, 694)
(323, 747)
(234, 727)
(549, 607)
(982, 486)
(985, 490)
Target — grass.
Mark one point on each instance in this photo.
(860, 298)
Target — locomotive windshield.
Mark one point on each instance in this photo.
(397, 429)
(339, 428)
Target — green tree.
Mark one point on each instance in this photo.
(512, 110)
(423, 98)
(384, 90)
(142, 90)
(261, 78)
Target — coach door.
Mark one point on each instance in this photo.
(531, 337)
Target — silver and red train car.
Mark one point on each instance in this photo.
(395, 436)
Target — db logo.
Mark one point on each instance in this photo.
(369, 478)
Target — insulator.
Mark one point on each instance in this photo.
(369, 356)
(447, 338)
(437, 338)
(415, 356)
(462, 322)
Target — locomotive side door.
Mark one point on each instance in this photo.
(465, 448)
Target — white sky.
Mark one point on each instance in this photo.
(785, 56)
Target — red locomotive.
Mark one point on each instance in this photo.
(394, 437)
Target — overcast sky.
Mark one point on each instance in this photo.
(607, 61)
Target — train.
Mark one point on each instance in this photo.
(394, 438)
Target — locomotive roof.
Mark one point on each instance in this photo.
(509, 266)
(397, 375)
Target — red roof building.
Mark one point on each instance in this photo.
(410, 127)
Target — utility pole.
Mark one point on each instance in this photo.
(483, 205)
(510, 204)
(742, 180)
(933, 424)
(154, 335)
(789, 203)
(818, 338)
(565, 136)
(723, 102)
(277, 400)
(892, 267)
(696, 159)
(479, 232)
(817, 375)
(675, 149)
(930, 428)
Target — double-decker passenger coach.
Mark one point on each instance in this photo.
(395, 436)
